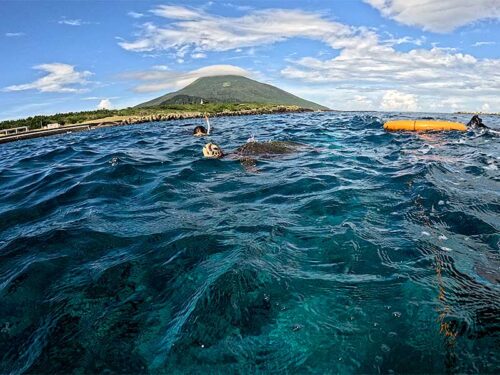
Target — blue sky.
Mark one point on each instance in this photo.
(413, 55)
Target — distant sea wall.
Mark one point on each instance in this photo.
(127, 120)
(478, 113)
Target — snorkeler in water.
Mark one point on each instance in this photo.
(476, 122)
(200, 130)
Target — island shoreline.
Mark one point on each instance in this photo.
(136, 120)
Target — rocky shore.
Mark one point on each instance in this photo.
(168, 116)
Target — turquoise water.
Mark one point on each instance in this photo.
(122, 250)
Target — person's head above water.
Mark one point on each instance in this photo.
(211, 150)
(199, 131)
(476, 121)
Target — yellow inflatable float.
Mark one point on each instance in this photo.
(424, 125)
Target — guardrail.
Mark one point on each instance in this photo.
(13, 131)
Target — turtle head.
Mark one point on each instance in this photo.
(199, 131)
(212, 151)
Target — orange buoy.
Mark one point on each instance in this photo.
(424, 125)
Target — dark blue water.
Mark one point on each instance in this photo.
(122, 250)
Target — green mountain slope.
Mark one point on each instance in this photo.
(231, 89)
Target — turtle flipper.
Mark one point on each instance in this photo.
(249, 164)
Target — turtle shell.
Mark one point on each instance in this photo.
(267, 148)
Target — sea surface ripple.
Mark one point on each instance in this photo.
(122, 250)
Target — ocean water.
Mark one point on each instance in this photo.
(122, 250)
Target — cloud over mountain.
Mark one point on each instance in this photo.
(161, 79)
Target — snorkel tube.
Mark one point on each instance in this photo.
(208, 124)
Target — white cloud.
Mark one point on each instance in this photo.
(240, 8)
(479, 44)
(374, 63)
(198, 55)
(366, 64)
(176, 12)
(74, 22)
(437, 15)
(432, 75)
(391, 41)
(192, 30)
(71, 22)
(161, 67)
(99, 98)
(13, 35)
(394, 100)
(485, 107)
(157, 80)
(59, 78)
(104, 104)
(135, 14)
(363, 100)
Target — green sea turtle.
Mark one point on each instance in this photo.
(267, 149)
(248, 153)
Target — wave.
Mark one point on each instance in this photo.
(123, 250)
